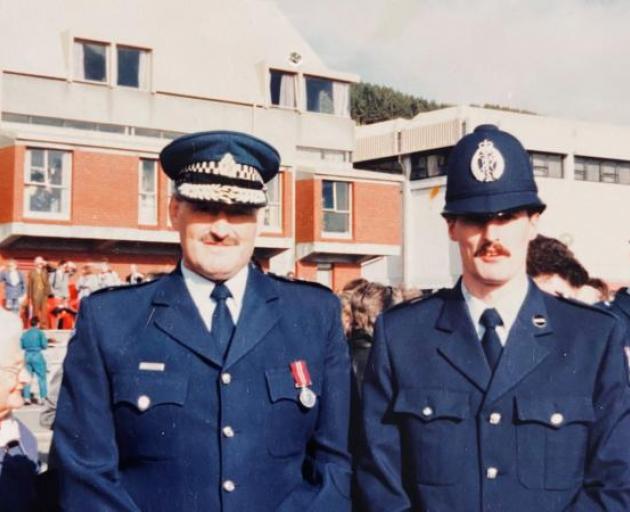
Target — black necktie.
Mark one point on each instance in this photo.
(490, 342)
(222, 324)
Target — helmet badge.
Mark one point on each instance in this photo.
(487, 163)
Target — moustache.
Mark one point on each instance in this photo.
(492, 249)
(212, 239)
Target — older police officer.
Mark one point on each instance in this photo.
(493, 396)
(217, 387)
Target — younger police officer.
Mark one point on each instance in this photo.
(216, 388)
(493, 396)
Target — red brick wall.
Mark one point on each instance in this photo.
(11, 192)
(305, 210)
(104, 189)
(306, 270)
(377, 213)
(343, 273)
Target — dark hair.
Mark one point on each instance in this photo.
(600, 285)
(547, 255)
(369, 302)
(34, 321)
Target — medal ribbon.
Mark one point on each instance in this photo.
(300, 373)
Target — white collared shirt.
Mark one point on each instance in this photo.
(200, 289)
(9, 431)
(509, 304)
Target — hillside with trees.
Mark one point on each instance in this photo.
(371, 103)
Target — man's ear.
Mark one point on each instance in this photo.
(174, 207)
(533, 222)
(450, 223)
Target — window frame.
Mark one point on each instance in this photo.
(141, 193)
(583, 166)
(66, 171)
(347, 107)
(546, 158)
(264, 228)
(108, 62)
(149, 64)
(295, 77)
(336, 234)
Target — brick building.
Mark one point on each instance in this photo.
(88, 98)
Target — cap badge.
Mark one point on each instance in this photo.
(487, 163)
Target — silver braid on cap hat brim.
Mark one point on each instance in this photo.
(225, 194)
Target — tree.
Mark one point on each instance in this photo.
(370, 103)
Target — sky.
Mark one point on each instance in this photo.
(564, 58)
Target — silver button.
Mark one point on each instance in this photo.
(226, 378)
(144, 402)
(229, 486)
(427, 411)
(228, 431)
(556, 419)
(492, 473)
(495, 418)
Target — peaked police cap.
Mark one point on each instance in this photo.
(489, 172)
(221, 167)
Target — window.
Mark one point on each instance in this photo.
(282, 89)
(336, 207)
(547, 165)
(47, 184)
(147, 196)
(605, 171)
(133, 67)
(327, 96)
(272, 214)
(428, 165)
(90, 61)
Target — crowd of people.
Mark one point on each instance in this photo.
(52, 292)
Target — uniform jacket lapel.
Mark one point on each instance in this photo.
(260, 312)
(528, 344)
(175, 314)
(462, 347)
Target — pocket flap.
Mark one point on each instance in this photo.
(555, 411)
(282, 386)
(146, 391)
(432, 404)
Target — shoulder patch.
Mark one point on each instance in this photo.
(298, 281)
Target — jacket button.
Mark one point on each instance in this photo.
(427, 411)
(143, 402)
(492, 473)
(229, 486)
(226, 378)
(495, 418)
(228, 431)
(557, 419)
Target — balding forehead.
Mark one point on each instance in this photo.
(10, 331)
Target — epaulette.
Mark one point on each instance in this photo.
(123, 287)
(299, 281)
(584, 305)
(416, 300)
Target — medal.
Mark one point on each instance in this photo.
(308, 398)
(302, 379)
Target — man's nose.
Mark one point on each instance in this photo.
(220, 227)
(491, 230)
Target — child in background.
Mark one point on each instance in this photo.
(33, 342)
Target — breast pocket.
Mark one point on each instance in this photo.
(434, 427)
(552, 436)
(147, 411)
(289, 424)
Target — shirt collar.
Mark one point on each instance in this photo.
(200, 289)
(509, 304)
(9, 431)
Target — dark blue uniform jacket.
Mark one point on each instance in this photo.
(550, 431)
(130, 439)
